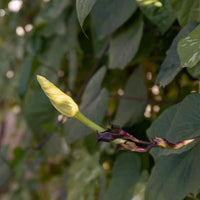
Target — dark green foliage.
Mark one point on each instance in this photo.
(126, 172)
(108, 55)
(135, 87)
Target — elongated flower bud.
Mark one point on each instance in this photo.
(62, 102)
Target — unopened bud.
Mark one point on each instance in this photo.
(62, 102)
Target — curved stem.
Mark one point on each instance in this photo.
(82, 118)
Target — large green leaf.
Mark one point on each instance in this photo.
(145, 50)
(140, 186)
(176, 171)
(38, 110)
(189, 48)
(72, 32)
(99, 45)
(84, 175)
(186, 11)
(108, 15)
(83, 8)
(172, 64)
(124, 44)
(51, 27)
(56, 49)
(58, 7)
(175, 176)
(159, 12)
(126, 172)
(72, 68)
(177, 123)
(130, 111)
(29, 66)
(94, 105)
(195, 71)
(73, 47)
(51, 13)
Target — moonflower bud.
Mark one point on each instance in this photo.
(62, 102)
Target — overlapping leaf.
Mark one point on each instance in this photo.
(94, 105)
(83, 174)
(175, 176)
(83, 8)
(125, 44)
(132, 110)
(195, 71)
(29, 66)
(189, 48)
(108, 15)
(126, 172)
(178, 123)
(51, 13)
(176, 172)
(172, 64)
(55, 51)
(73, 47)
(159, 12)
(186, 11)
(38, 110)
(140, 186)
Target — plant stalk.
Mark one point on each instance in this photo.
(83, 119)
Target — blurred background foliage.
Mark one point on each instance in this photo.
(110, 56)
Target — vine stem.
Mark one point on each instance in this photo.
(83, 119)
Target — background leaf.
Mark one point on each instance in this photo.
(28, 68)
(124, 45)
(126, 172)
(107, 16)
(182, 8)
(56, 50)
(73, 49)
(38, 110)
(81, 179)
(72, 68)
(140, 186)
(131, 111)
